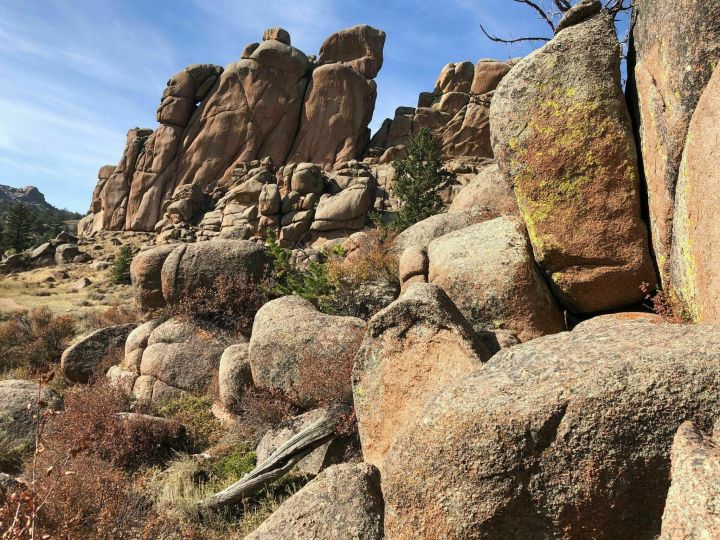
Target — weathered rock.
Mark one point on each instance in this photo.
(343, 502)
(145, 275)
(359, 46)
(568, 149)
(455, 77)
(423, 232)
(488, 74)
(80, 361)
(694, 273)
(277, 33)
(135, 344)
(489, 191)
(18, 403)
(234, 374)
(412, 350)
(567, 436)
(80, 284)
(304, 353)
(488, 271)
(269, 200)
(580, 12)
(319, 459)
(675, 48)
(194, 266)
(65, 253)
(337, 110)
(345, 210)
(692, 508)
(182, 355)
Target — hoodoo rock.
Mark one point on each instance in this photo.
(675, 46)
(413, 349)
(567, 436)
(562, 136)
(361, 47)
(305, 353)
(694, 271)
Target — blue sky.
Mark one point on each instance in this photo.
(77, 74)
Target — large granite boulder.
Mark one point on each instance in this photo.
(692, 508)
(234, 375)
(675, 48)
(19, 401)
(489, 191)
(302, 352)
(190, 267)
(413, 349)
(146, 279)
(567, 436)
(343, 503)
(694, 272)
(488, 271)
(80, 361)
(562, 135)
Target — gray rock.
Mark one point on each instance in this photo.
(304, 353)
(17, 428)
(80, 361)
(234, 375)
(567, 436)
(65, 253)
(343, 503)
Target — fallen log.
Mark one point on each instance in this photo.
(277, 465)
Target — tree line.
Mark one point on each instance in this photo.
(24, 225)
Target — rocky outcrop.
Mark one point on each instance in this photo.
(274, 104)
(488, 271)
(692, 508)
(413, 349)
(456, 112)
(675, 48)
(302, 352)
(562, 136)
(343, 502)
(19, 401)
(80, 361)
(489, 191)
(565, 436)
(694, 272)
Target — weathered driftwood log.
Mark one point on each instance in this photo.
(277, 465)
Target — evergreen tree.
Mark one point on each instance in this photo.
(19, 225)
(419, 178)
(120, 272)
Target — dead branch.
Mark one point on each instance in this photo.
(510, 41)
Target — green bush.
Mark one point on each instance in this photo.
(120, 273)
(419, 178)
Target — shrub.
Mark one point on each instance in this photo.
(419, 178)
(34, 339)
(113, 315)
(666, 304)
(231, 303)
(120, 271)
(195, 413)
(259, 409)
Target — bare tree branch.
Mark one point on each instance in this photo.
(540, 10)
(562, 5)
(518, 40)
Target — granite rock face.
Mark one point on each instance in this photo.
(275, 104)
(675, 48)
(562, 136)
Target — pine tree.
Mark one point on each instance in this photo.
(19, 227)
(120, 272)
(419, 178)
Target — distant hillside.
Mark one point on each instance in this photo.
(31, 196)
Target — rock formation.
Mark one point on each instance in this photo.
(271, 104)
(562, 135)
(675, 48)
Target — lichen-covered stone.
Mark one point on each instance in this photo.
(562, 135)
